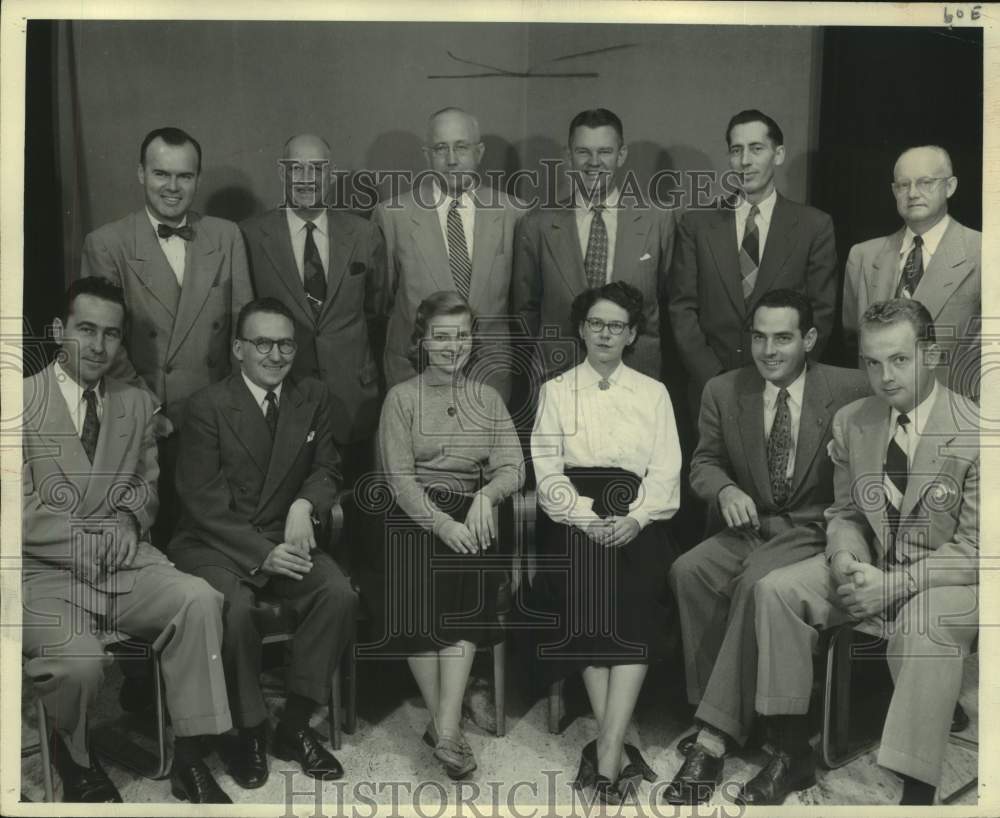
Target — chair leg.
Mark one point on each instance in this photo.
(43, 749)
(500, 685)
(163, 768)
(350, 661)
(555, 705)
(335, 715)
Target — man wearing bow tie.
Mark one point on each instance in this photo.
(933, 258)
(185, 278)
(902, 547)
(257, 466)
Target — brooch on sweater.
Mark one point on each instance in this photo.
(604, 384)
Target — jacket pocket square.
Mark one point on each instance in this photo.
(645, 257)
(310, 436)
(357, 268)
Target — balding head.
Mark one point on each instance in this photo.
(929, 156)
(306, 167)
(307, 147)
(454, 148)
(452, 120)
(922, 183)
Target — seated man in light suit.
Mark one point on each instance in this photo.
(933, 259)
(761, 463)
(257, 465)
(89, 497)
(902, 546)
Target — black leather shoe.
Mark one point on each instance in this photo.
(697, 778)
(248, 764)
(304, 747)
(84, 785)
(686, 743)
(606, 791)
(960, 719)
(781, 776)
(194, 782)
(586, 774)
(637, 764)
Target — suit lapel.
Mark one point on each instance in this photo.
(563, 241)
(425, 233)
(867, 465)
(201, 264)
(948, 267)
(751, 424)
(487, 238)
(62, 441)
(780, 242)
(341, 250)
(814, 420)
(294, 416)
(150, 265)
(881, 280)
(248, 423)
(106, 474)
(927, 458)
(277, 246)
(633, 226)
(722, 242)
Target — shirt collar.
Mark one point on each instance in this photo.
(611, 202)
(586, 376)
(260, 394)
(72, 391)
(796, 390)
(918, 415)
(296, 223)
(932, 238)
(444, 199)
(765, 208)
(155, 221)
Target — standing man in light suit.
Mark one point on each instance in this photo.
(933, 259)
(902, 546)
(328, 268)
(596, 237)
(185, 279)
(451, 233)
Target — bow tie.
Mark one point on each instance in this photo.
(165, 231)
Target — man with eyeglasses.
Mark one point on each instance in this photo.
(328, 267)
(932, 258)
(257, 470)
(451, 232)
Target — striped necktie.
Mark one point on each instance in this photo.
(896, 472)
(750, 253)
(913, 270)
(458, 252)
(595, 264)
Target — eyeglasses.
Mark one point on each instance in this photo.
(286, 346)
(461, 149)
(597, 325)
(925, 185)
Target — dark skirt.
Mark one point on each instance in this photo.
(422, 596)
(603, 606)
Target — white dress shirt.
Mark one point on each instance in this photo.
(932, 238)
(796, 389)
(766, 210)
(628, 426)
(72, 393)
(297, 231)
(260, 395)
(174, 248)
(466, 212)
(918, 420)
(584, 219)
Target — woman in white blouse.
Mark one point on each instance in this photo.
(607, 465)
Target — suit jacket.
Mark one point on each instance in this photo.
(939, 518)
(708, 314)
(549, 274)
(732, 449)
(418, 266)
(336, 346)
(64, 495)
(178, 339)
(236, 484)
(951, 289)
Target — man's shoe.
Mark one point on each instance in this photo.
(248, 764)
(194, 782)
(85, 785)
(697, 778)
(304, 747)
(781, 776)
(959, 720)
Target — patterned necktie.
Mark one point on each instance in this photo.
(779, 447)
(312, 272)
(913, 270)
(91, 425)
(458, 252)
(750, 253)
(271, 413)
(896, 473)
(595, 263)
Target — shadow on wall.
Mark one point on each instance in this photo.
(395, 150)
(232, 194)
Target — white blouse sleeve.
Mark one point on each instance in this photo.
(659, 493)
(557, 495)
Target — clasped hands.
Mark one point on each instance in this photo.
(476, 534)
(104, 551)
(863, 589)
(292, 557)
(614, 531)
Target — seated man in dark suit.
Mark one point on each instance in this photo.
(88, 501)
(761, 463)
(257, 466)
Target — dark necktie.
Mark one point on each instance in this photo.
(271, 412)
(779, 447)
(913, 270)
(312, 272)
(91, 425)
(595, 263)
(750, 253)
(896, 473)
(458, 252)
(165, 231)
